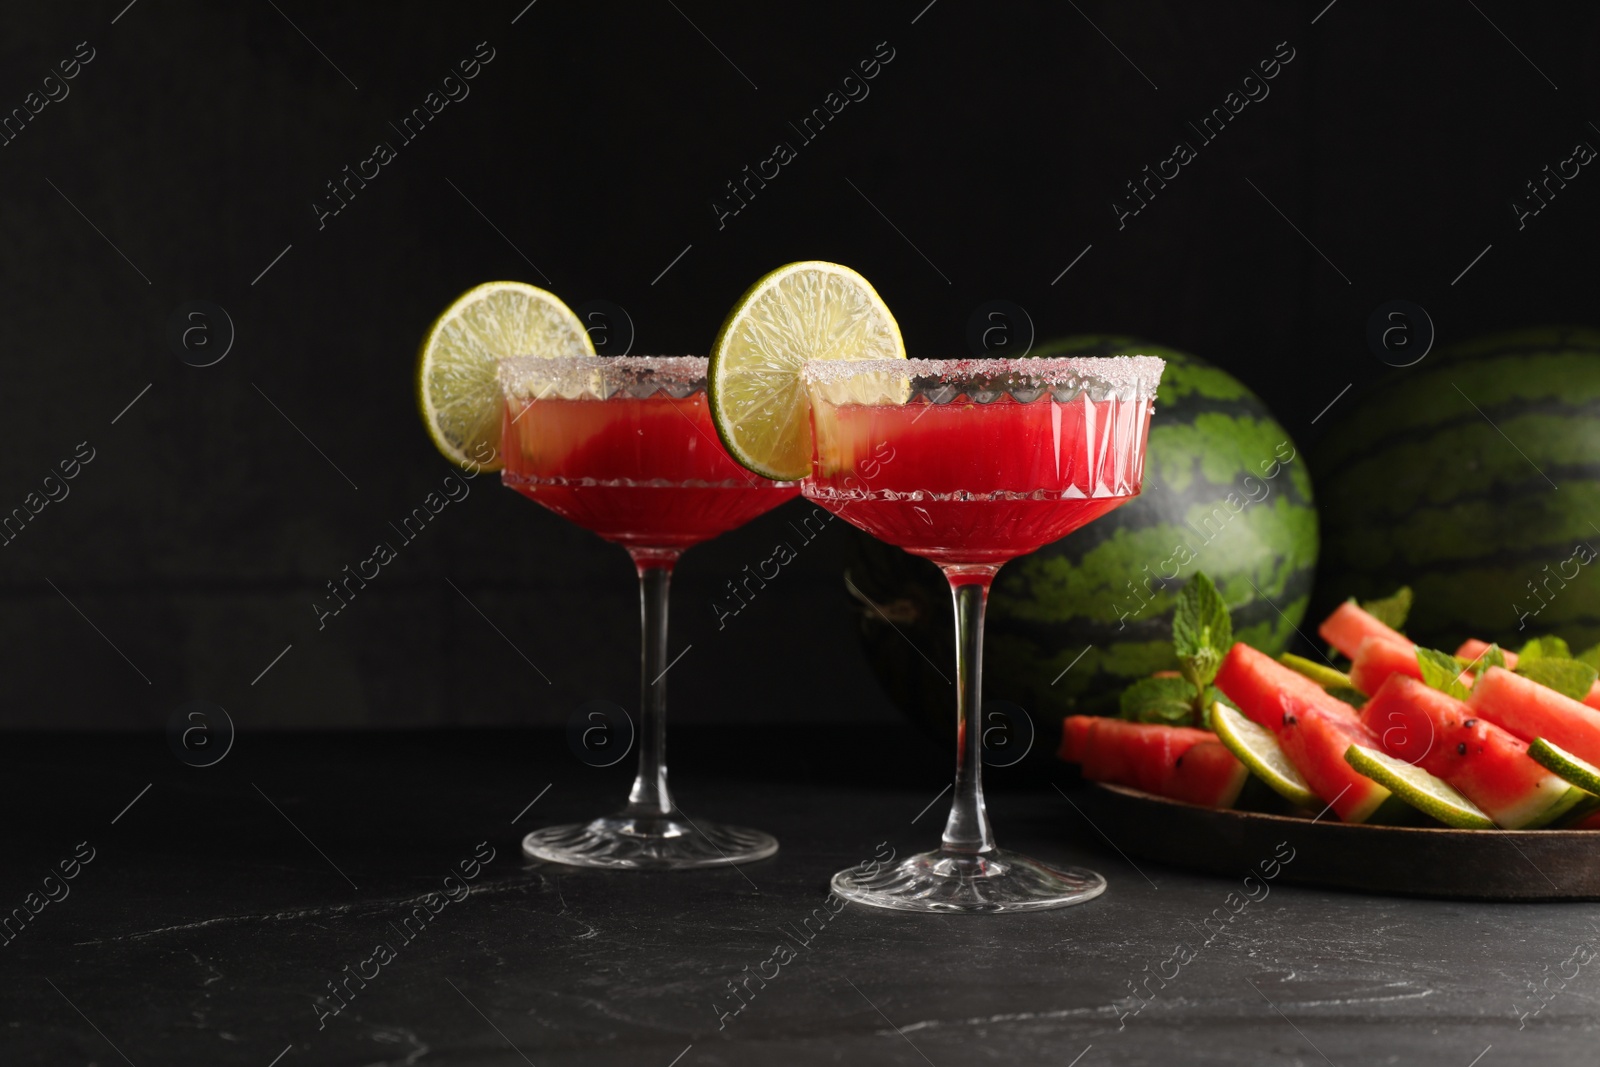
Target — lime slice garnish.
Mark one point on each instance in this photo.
(1425, 792)
(1580, 772)
(1256, 747)
(810, 310)
(456, 386)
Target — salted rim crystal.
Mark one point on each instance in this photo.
(943, 381)
(1141, 373)
(601, 377)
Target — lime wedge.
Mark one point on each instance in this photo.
(1255, 747)
(801, 311)
(1580, 772)
(1326, 677)
(1428, 794)
(456, 386)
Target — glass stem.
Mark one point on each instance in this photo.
(967, 831)
(650, 796)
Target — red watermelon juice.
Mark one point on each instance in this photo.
(974, 483)
(645, 471)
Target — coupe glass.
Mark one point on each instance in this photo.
(625, 447)
(971, 463)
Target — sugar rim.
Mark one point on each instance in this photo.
(521, 374)
(667, 365)
(1140, 372)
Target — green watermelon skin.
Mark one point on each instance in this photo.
(1088, 591)
(1468, 505)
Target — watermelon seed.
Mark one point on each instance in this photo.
(1470, 722)
(1461, 749)
(1290, 720)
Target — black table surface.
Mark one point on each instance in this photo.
(209, 911)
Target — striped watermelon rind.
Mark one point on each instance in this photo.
(1444, 477)
(1209, 433)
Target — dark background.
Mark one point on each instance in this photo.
(984, 161)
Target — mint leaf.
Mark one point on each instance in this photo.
(1202, 630)
(1162, 700)
(1541, 647)
(1390, 610)
(1441, 671)
(1591, 656)
(1566, 676)
(1492, 656)
(1199, 669)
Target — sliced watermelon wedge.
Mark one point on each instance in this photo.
(1315, 730)
(1472, 648)
(1315, 740)
(1488, 765)
(1208, 775)
(1139, 754)
(1529, 710)
(1378, 657)
(1170, 761)
(1259, 675)
(1074, 728)
(1350, 624)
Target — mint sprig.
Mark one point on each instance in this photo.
(1392, 609)
(1202, 631)
(1549, 646)
(1441, 671)
(1162, 700)
(1549, 661)
(1566, 676)
(1493, 656)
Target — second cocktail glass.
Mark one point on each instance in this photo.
(971, 463)
(625, 447)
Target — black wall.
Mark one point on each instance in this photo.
(986, 156)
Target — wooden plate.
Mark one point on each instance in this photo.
(1407, 861)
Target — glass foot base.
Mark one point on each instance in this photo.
(997, 881)
(648, 842)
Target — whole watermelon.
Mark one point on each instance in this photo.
(1473, 477)
(1072, 624)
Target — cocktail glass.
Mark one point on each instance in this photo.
(625, 447)
(972, 463)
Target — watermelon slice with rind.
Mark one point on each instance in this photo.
(1315, 730)
(1472, 648)
(1378, 657)
(1350, 624)
(1486, 764)
(1530, 710)
(1177, 762)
